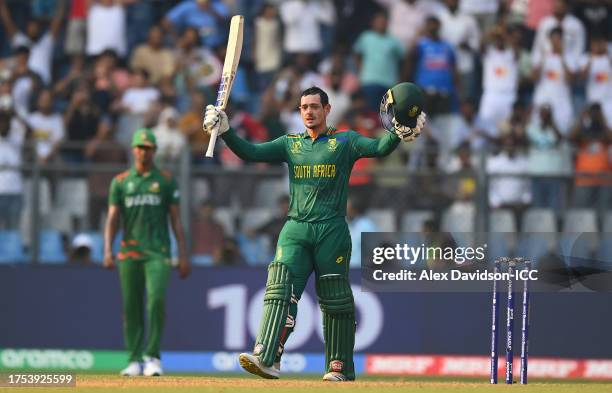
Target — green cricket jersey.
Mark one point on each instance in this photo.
(319, 169)
(144, 202)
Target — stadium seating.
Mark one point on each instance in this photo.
(202, 260)
(267, 192)
(51, 247)
(226, 217)
(383, 218)
(255, 217)
(72, 197)
(255, 250)
(579, 240)
(11, 247)
(460, 222)
(200, 192)
(502, 235)
(412, 221)
(97, 248)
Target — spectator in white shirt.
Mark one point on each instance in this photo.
(553, 74)
(267, 52)
(40, 43)
(12, 135)
(500, 80)
(341, 101)
(461, 31)
(485, 11)
(406, 19)
(508, 186)
(302, 19)
(24, 80)
(106, 27)
(574, 36)
(596, 69)
(170, 139)
(139, 98)
(47, 127)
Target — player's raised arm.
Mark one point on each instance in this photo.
(273, 151)
(401, 114)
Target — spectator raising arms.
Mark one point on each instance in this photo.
(553, 73)
(573, 34)
(40, 43)
(500, 79)
(596, 69)
(206, 16)
(106, 27)
(302, 19)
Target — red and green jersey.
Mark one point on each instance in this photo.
(144, 202)
(319, 169)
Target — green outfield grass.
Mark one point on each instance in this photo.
(244, 383)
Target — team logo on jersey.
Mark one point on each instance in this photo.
(340, 259)
(130, 187)
(332, 144)
(296, 147)
(154, 187)
(413, 111)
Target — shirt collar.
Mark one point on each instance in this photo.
(134, 172)
(330, 131)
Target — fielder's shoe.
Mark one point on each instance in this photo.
(253, 365)
(133, 369)
(335, 377)
(152, 367)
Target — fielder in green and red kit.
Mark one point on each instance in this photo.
(315, 236)
(144, 199)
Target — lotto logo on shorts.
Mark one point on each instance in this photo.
(336, 366)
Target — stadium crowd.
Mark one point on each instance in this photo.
(528, 82)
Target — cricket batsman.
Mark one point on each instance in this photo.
(316, 236)
(144, 197)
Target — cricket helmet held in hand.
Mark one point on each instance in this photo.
(402, 103)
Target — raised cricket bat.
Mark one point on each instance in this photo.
(232, 57)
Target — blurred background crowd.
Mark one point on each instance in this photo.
(519, 104)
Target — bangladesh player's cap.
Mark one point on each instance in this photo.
(144, 137)
(407, 101)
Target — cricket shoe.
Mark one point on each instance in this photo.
(335, 376)
(152, 367)
(252, 364)
(132, 370)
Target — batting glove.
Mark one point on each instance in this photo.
(215, 118)
(408, 134)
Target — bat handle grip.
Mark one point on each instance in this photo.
(211, 143)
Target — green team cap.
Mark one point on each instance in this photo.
(144, 137)
(407, 101)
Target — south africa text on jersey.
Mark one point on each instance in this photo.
(143, 199)
(319, 170)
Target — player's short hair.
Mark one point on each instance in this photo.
(314, 90)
